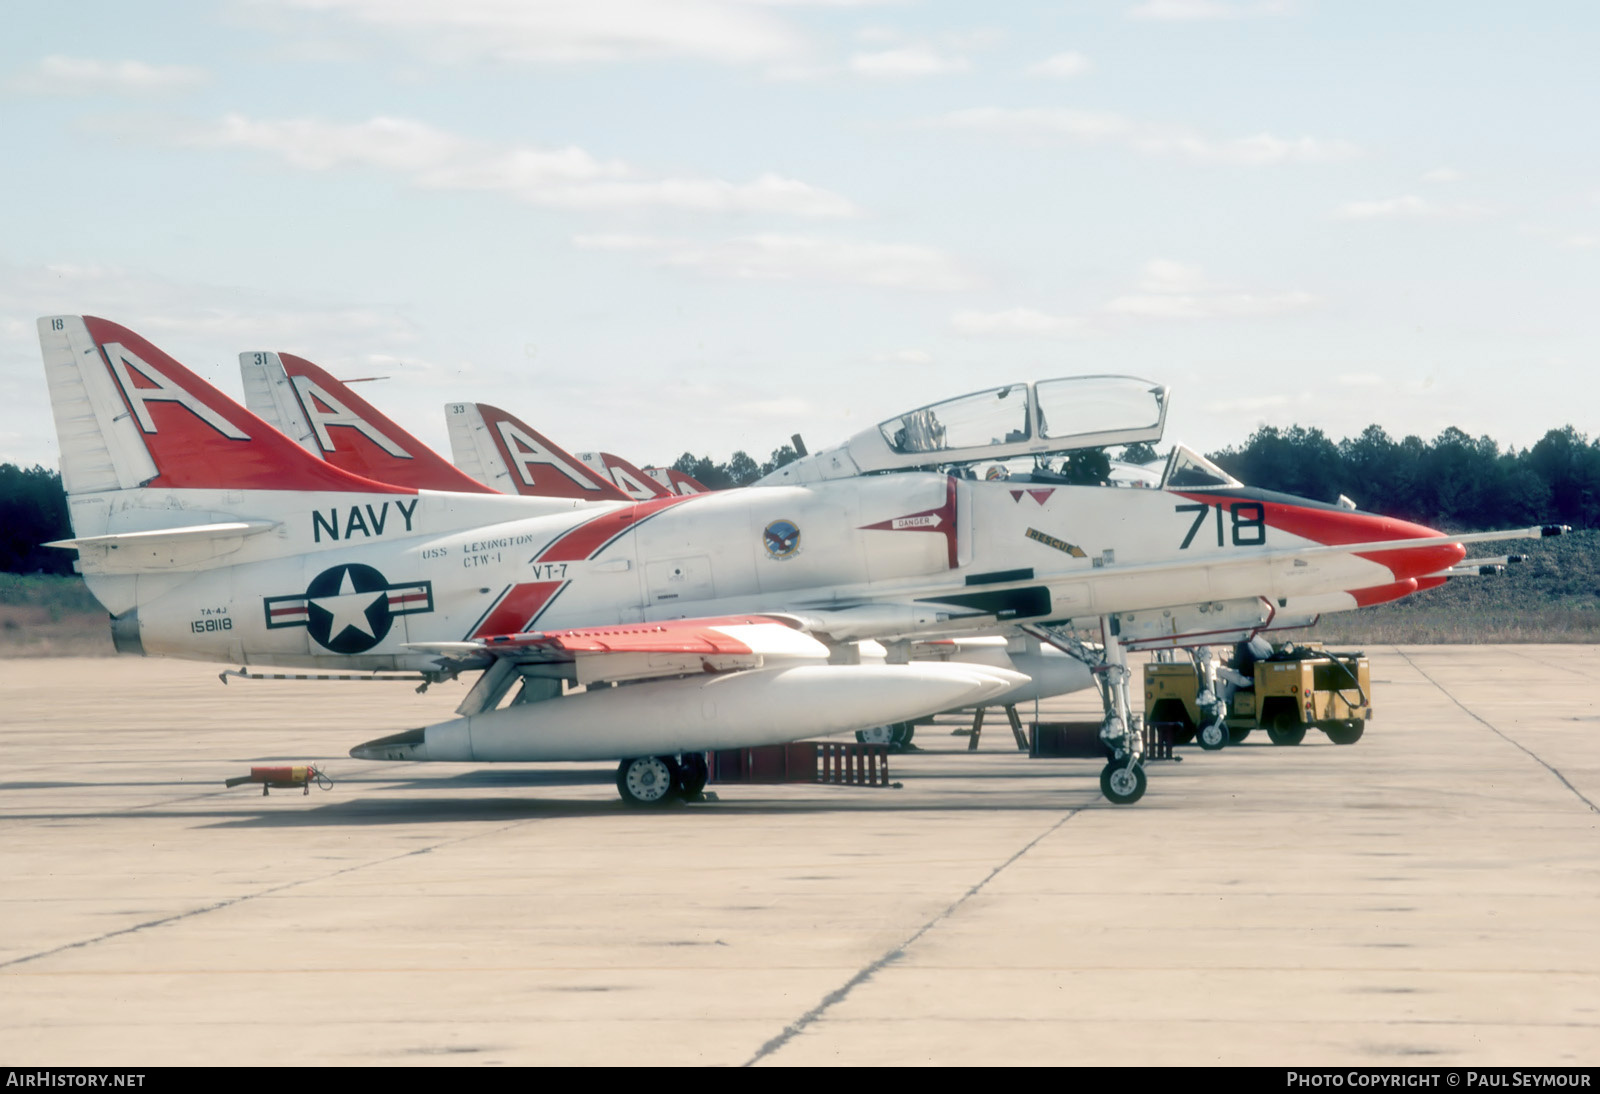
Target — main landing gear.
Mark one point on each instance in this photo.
(661, 780)
(1123, 779)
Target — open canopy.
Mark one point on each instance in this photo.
(1027, 419)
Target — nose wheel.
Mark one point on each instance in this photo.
(1122, 783)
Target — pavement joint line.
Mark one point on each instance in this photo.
(838, 995)
(1593, 808)
(1545, 665)
(231, 901)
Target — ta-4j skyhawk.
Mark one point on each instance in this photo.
(735, 618)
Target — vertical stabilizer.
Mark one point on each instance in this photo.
(676, 481)
(629, 479)
(510, 455)
(129, 416)
(335, 424)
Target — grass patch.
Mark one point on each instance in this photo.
(47, 616)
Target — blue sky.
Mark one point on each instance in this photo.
(647, 226)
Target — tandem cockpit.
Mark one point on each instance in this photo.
(1023, 431)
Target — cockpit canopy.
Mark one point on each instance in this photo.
(1188, 470)
(1037, 419)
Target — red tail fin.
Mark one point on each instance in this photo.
(629, 479)
(354, 435)
(195, 437)
(676, 481)
(513, 456)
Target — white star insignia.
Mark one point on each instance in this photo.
(348, 608)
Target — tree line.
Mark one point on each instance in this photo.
(1454, 482)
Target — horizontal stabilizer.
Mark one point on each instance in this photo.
(185, 548)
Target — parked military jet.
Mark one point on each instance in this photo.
(734, 618)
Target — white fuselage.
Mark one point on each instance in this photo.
(907, 554)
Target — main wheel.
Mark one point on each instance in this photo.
(1286, 727)
(877, 735)
(1122, 784)
(1212, 736)
(897, 736)
(692, 774)
(1345, 733)
(647, 780)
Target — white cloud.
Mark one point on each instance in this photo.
(907, 62)
(1581, 242)
(81, 76)
(563, 177)
(159, 308)
(1443, 174)
(1188, 11)
(1167, 290)
(1156, 140)
(1170, 290)
(1014, 321)
(797, 258)
(1409, 207)
(559, 31)
(1061, 66)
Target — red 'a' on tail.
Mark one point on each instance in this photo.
(128, 416)
(332, 421)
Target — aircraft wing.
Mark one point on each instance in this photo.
(636, 651)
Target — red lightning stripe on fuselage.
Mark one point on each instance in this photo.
(522, 604)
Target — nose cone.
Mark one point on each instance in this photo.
(1330, 525)
(1417, 562)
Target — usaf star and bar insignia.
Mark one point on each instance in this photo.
(350, 608)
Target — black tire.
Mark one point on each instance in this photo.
(1122, 784)
(1212, 736)
(1286, 727)
(1344, 733)
(897, 735)
(647, 781)
(1237, 734)
(692, 774)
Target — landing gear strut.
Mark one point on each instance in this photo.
(1213, 732)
